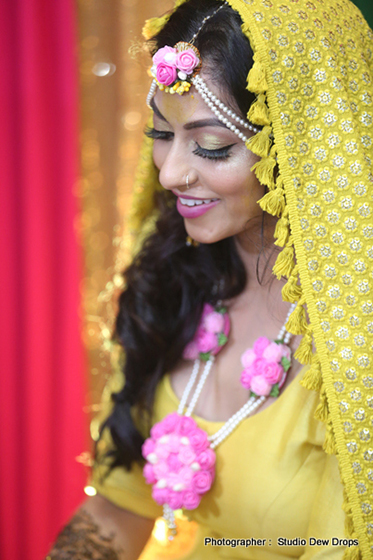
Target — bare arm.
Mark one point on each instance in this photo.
(102, 531)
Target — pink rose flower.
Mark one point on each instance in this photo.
(202, 481)
(186, 61)
(246, 377)
(187, 426)
(260, 344)
(174, 462)
(206, 459)
(191, 499)
(158, 430)
(174, 444)
(171, 421)
(149, 475)
(260, 386)
(161, 53)
(148, 447)
(226, 329)
(273, 352)
(199, 440)
(248, 357)
(191, 351)
(206, 341)
(161, 495)
(273, 372)
(186, 475)
(214, 322)
(166, 74)
(161, 470)
(161, 450)
(186, 455)
(207, 309)
(258, 366)
(175, 500)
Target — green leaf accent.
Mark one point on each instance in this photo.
(279, 341)
(222, 339)
(285, 363)
(221, 310)
(275, 391)
(204, 356)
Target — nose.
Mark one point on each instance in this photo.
(175, 171)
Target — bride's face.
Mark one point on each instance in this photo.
(191, 141)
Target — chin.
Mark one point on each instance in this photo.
(204, 236)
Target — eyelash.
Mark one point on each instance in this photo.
(220, 154)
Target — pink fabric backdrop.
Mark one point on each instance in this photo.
(42, 376)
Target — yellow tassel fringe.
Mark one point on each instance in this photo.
(153, 25)
(273, 202)
(329, 442)
(256, 79)
(312, 379)
(291, 291)
(297, 322)
(284, 264)
(264, 170)
(260, 144)
(321, 412)
(282, 230)
(352, 553)
(304, 351)
(258, 112)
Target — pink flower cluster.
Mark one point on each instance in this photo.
(180, 463)
(211, 334)
(169, 64)
(263, 367)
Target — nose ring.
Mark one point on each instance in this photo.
(187, 181)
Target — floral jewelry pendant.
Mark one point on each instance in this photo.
(180, 463)
(211, 335)
(265, 367)
(179, 460)
(174, 67)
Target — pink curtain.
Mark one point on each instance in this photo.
(42, 376)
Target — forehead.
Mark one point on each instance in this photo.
(188, 106)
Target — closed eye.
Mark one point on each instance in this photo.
(217, 154)
(158, 134)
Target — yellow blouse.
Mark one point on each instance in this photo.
(273, 481)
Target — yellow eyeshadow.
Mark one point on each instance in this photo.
(211, 142)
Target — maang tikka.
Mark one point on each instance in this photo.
(176, 68)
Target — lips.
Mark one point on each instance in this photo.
(190, 207)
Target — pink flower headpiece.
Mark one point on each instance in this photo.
(174, 67)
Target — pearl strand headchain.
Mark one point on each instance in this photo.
(216, 106)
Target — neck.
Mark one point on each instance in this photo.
(258, 253)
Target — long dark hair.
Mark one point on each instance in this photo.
(168, 282)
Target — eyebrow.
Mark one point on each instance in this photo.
(190, 125)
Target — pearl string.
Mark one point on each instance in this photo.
(200, 385)
(215, 105)
(252, 404)
(151, 93)
(203, 86)
(189, 386)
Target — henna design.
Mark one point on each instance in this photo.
(81, 540)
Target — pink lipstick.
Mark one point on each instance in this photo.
(194, 209)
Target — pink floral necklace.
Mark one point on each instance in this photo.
(180, 456)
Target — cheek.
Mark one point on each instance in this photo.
(160, 151)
